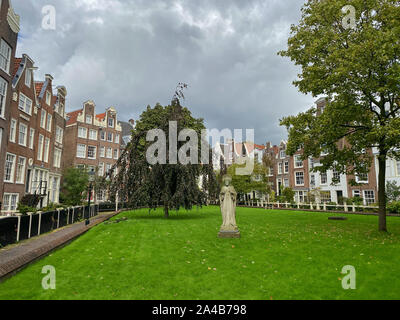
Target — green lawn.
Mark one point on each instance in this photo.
(282, 255)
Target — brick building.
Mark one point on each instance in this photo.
(93, 141)
(9, 29)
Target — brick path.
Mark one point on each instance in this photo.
(18, 256)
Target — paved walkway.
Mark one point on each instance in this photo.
(19, 255)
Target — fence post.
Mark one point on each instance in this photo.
(325, 206)
(311, 206)
(18, 227)
(73, 215)
(58, 219)
(346, 208)
(30, 224)
(40, 222)
(298, 205)
(354, 208)
(67, 216)
(318, 207)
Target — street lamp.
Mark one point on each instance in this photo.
(90, 189)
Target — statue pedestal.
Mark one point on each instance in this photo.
(229, 234)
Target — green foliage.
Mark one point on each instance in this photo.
(355, 200)
(172, 185)
(24, 209)
(392, 191)
(394, 207)
(30, 200)
(288, 195)
(358, 70)
(75, 186)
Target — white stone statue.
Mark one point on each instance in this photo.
(228, 197)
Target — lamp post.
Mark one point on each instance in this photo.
(90, 189)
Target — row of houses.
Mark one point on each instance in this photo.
(38, 138)
(309, 185)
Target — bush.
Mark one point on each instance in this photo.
(24, 209)
(394, 207)
(30, 200)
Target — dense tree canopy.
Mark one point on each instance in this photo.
(354, 61)
(172, 185)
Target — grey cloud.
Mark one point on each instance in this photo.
(132, 53)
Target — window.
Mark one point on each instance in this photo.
(40, 148)
(82, 133)
(103, 135)
(101, 169)
(5, 56)
(48, 98)
(298, 163)
(356, 193)
(336, 176)
(283, 154)
(81, 151)
(111, 122)
(28, 77)
(31, 138)
(3, 94)
(286, 167)
(46, 150)
(312, 180)
(13, 130)
(9, 168)
(116, 154)
(43, 119)
(93, 134)
(117, 138)
(20, 176)
(300, 196)
(1, 137)
(398, 168)
(57, 158)
(324, 178)
(109, 153)
(286, 183)
(25, 104)
(102, 152)
(362, 178)
(23, 134)
(49, 122)
(59, 135)
(89, 119)
(10, 202)
(326, 197)
(109, 137)
(299, 178)
(108, 168)
(92, 152)
(280, 166)
(369, 197)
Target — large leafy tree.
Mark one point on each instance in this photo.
(173, 186)
(355, 63)
(75, 185)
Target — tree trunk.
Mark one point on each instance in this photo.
(166, 211)
(382, 192)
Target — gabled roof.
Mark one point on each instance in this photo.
(17, 64)
(101, 116)
(72, 117)
(38, 87)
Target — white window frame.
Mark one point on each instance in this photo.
(3, 96)
(286, 167)
(48, 98)
(102, 152)
(12, 173)
(397, 168)
(324, 174)
(295, 177)
(20, 171)
(23, 143)
(109, 153)
(116, 151)
(59, 135)
(280, 168)
(31, 138)
(93, 135)
(5, 56)
(7, 206)
(13, 130)
(95, 152)
(25, 104)
(46, 150)
(43, 118)
(49, 122)
(80, 129)
(297, 161)
(40, 147)
(28, 77)
(117, 138)
(89, 119)
(282, 154)
(112, 123)
(57, 158)
(367, 199)
(112, 137)
(82, 151)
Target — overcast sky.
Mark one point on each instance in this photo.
(132, 53)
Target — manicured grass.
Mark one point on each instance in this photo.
(282, 255)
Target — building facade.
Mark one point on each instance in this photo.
(93, 141)
(9, 29)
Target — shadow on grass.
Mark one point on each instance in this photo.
(173, 215)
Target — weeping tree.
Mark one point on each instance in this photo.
(349, 51)
(141, 181)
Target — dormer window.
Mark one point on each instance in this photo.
(48, 98)
(28, 77)
(5, 56)
(89, 119)
(111, 122)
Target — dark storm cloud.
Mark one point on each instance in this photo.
(129, 54)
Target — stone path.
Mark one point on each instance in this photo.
(20, 255)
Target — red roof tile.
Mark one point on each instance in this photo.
(101, 116)
(73, 116)
(38, 87)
